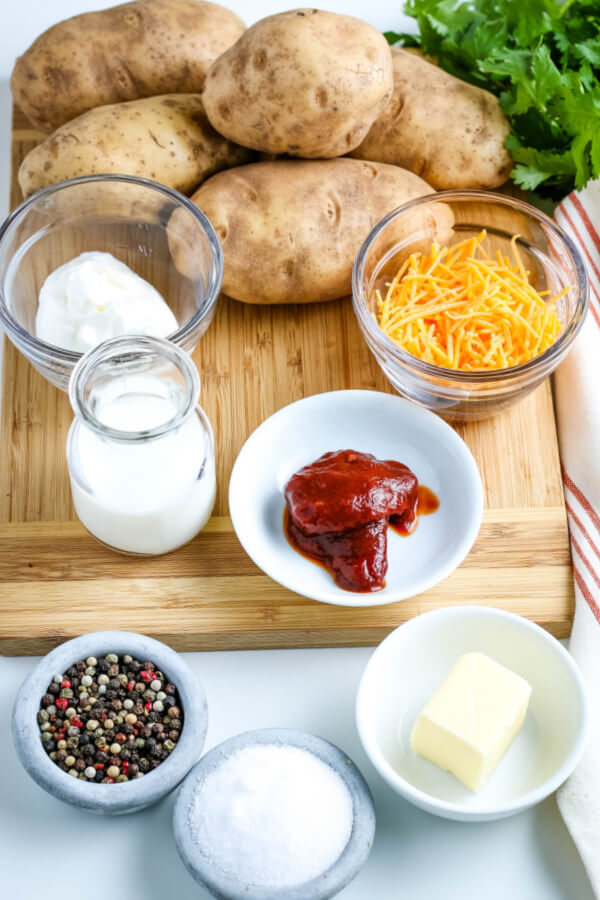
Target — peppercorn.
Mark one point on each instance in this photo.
(74, 737)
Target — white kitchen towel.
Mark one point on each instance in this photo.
(577, 392)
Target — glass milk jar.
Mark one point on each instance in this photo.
(140, 450)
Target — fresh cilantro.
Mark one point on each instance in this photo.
(542, 59)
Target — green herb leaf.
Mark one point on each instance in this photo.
(542, 59)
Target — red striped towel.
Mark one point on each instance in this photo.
(577, 391)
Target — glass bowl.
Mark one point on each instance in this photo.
(132, 218)
(549, 255)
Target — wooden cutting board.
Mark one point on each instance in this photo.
(57, 582)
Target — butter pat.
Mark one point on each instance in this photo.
(468, 724)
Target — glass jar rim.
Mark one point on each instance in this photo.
(132, 348)
(368, 322)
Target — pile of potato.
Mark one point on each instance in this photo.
(180, 92)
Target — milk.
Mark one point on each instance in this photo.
(144, 496)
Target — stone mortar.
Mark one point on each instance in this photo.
(352, 859)
(129, 796)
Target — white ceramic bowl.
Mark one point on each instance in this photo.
(410, 663)
(371, 422)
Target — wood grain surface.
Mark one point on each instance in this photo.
(56, 582)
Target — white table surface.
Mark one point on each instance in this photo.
(49, 850)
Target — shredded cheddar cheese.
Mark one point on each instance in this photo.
(461, 308)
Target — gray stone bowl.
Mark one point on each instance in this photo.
(347, 866)
(118, 798)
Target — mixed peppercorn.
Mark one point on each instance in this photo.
(110, 719)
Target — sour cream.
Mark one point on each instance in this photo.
(94, 297)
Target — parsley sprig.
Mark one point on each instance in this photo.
(542, 59)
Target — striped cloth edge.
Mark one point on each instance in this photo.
(577, 396)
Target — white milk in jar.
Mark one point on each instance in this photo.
(140, 452)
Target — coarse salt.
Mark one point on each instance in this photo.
(271, 816)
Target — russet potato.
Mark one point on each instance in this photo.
(307, 83)
(166, 138)
(447, 131)
(290, 229)
(135, 50)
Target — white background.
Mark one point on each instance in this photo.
(48, 850)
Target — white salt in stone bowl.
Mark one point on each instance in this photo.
(118, 798)
(411, 662)
(224, 886)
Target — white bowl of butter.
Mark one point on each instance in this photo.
(431, 674)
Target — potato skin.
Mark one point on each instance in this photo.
(306, 82)
(290, 229)
(135, 50)
(166, 138)
(447, 131)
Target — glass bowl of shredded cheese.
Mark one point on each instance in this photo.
(469, 308)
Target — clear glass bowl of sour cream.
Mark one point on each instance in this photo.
(108, 255)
